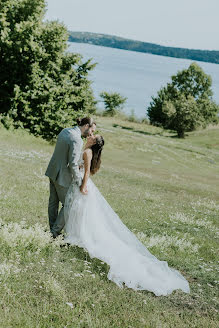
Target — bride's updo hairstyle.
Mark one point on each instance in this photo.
(96, 158)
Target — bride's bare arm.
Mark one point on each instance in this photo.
(87, 157)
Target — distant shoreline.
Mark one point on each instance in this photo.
(209, 56)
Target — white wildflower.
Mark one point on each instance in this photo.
(17, 236)
(22, 154)
(78, 275)
(54, 287)
(207, 203)
(7, 269)
(69, 304)
(190, 219)
(210, 285)
(166, 241)
(181, 217)
(155, 162)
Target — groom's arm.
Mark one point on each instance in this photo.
(73, 159)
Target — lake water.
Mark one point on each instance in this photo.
(135, 75)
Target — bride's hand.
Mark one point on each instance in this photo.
(83, 190)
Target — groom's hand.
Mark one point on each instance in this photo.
(83, 190)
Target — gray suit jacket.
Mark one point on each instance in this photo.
(64, 164)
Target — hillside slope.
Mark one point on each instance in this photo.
(164, 189)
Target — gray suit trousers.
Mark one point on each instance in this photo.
(56, 217)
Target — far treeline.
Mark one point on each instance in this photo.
(210, 56)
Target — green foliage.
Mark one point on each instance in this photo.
(183, 114)
(185, 103)
(113, 102)
(193, 81)
(41, 85)
(7, 122)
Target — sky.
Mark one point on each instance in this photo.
(178, 23)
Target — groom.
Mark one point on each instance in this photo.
(64, 167)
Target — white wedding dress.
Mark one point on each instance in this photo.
(92, 224)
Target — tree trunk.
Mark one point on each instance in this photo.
(181, 133)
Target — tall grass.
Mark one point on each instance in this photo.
(164, 189)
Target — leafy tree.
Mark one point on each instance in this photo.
(183, 114)
(193, 81)
(155, 112)
(42, 87)
(113, 102)
(185, 103)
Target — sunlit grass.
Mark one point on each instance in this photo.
(166, 190)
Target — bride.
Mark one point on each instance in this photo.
(91, 223)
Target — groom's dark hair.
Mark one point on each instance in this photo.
(85, 120)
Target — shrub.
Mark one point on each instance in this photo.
(185, 103)
(113, 102)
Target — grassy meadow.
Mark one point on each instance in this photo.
(166, 190)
